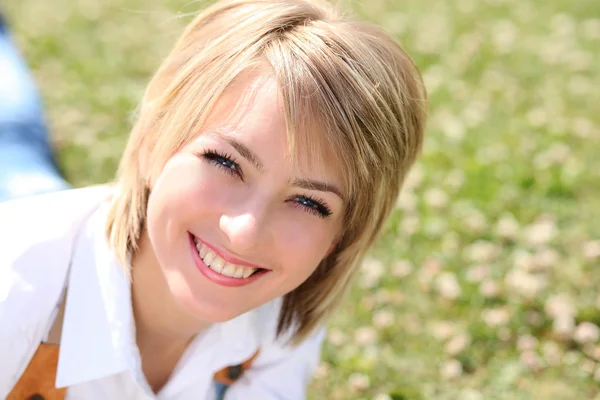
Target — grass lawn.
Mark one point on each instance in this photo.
(485, 285)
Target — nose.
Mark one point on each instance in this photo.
(244, 229)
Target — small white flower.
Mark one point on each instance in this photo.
(471, 394)
(429, 271)
(455, 179)
(481, 251)
(524, 283)
(442, 330)
(410, 224)
(530, 360)
(563, 327)
(336, 337)
(447, 285)
(541, 232)
(436, 198)
(451, 369)
(504, 35)
(383, 319)
(322, 370)
(477, 273)
(407, 201)
(559, 305)
(365, 335)
(591, 249)
(382, 396)
(435, 226)
(414, 178)
(586, 332)
(524, 260)
(546, 258)
(489, 288)
(597, 374)
(495, 317)
(402, 268)
(358, 382)
(590, 28)
(526, 342)
(507, 227)
(588, 366)
(592, 351)
(457, 344)
(537, 117)
(583, 127)
(383, 296)
(476, 221)
(372, 272)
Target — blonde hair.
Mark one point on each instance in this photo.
(350, 79)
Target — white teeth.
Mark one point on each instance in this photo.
(217, 264)
(202, 251)
(229, 270)
(209, 257)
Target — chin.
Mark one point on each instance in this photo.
(205, 309)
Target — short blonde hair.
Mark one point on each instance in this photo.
(350, 79)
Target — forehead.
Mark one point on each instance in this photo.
(252, 110)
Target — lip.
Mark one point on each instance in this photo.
(227, 257)
(215, 276)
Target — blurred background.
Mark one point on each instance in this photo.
(485, 285)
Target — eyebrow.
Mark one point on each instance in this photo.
(244, 152)
(307, 184)
(316, 185)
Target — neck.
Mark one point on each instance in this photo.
(160, 323)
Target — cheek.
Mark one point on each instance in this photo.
(186, 188)
(302, 244)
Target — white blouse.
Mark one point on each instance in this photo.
(55, 240)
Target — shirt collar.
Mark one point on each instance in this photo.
(98, 320)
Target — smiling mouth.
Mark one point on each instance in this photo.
(222, 267)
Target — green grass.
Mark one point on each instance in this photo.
(500, 214)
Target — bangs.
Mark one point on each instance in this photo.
(315, 124)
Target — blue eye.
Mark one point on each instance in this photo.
(223, 161)
(314, 206)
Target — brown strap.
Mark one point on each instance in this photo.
(229, 375)
(37, 382)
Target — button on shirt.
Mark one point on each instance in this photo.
(57, 240)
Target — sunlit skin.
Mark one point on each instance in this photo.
(234, 188)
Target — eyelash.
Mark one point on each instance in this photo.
(219, 159)
(319, 207)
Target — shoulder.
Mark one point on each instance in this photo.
(29, 221)
(36, 233)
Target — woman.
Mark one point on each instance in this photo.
(269, 149)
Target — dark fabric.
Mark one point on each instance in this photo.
(3, 28)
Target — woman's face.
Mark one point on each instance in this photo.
(232, 221)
